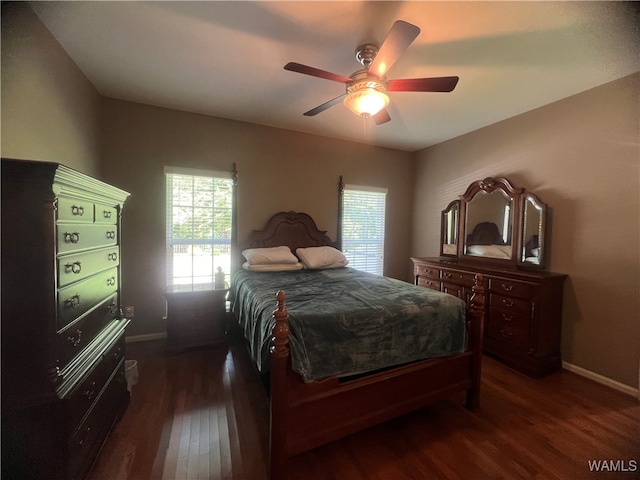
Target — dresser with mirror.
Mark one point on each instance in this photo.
(500, 231)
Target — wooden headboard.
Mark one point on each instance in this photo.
(293, 229)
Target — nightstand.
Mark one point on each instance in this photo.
(196, 316)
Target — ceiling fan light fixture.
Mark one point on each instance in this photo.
(366, 98)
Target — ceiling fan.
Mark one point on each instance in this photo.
(366, 89)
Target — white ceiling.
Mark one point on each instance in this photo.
(226, 59)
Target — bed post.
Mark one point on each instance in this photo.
(279, 419)
(477, 311)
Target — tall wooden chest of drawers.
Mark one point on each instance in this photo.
(63, 384)
(523, 309)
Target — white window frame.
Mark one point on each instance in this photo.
(364, 250)
(202, 267)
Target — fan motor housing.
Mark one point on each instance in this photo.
(363, 79)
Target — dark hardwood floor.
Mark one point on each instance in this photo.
(203, 414)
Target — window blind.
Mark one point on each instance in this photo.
(363, 225)
(198, 225)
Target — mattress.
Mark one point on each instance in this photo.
(344, 321)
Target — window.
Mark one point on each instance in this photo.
(363, 213)
(199, 205)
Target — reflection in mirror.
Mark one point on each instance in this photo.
(533, 234)
(449, 225)
(489, 225)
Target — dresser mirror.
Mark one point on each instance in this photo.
(533, 233)
(497, 223)
(449, 229)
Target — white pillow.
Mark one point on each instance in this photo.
(273, 267)
(268, 256)
(321, 257)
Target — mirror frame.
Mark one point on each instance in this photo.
(542, 233)
(519, 198)
(454, 207)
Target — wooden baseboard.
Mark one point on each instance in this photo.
(596, 377)
(145, 338)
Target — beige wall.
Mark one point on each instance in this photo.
(581, 155)
(278, 170)
(50, 111)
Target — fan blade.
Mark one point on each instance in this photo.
(324, 106)
(401, 35)
(381, 117)
(435, 84)
(315, 72)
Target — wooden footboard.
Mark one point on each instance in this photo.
(307, 415)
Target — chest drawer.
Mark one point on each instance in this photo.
(73, 210)
(83, 397)
(510, 287)
(456, 276)
(72, 340)
(73, 238)
(78, 298)
(84, 445)
(75, 267)
(106, 214)
(426, 271)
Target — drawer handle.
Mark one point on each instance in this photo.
(112, 308)
(507, 303)
(111, 281)
(507, 318)
(448, 275)
(111, 234)
(117, 354)
(71, 237)
(75, 340)
(112, 256)
(72, 302)
(106, 213)
(74, 267)
(77, 211)
(506, 288)
(505, 334)
(84, 437)
(89, 394)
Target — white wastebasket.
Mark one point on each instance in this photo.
(131, 373)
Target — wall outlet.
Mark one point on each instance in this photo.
(128, 311)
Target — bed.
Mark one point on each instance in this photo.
(320, 392)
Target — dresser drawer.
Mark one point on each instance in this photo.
(510, 305)
(106, 214)
(511, 319)
(73, 210)
(427, 282)
(510, 287)
(456, 276)
(508, 334)
(72, 340)
(426, 271)
(75, 267)
(73, 238)
(78, 298)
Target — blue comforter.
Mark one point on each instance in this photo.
(344, 321)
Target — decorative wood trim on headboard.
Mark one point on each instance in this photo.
(294, 229)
